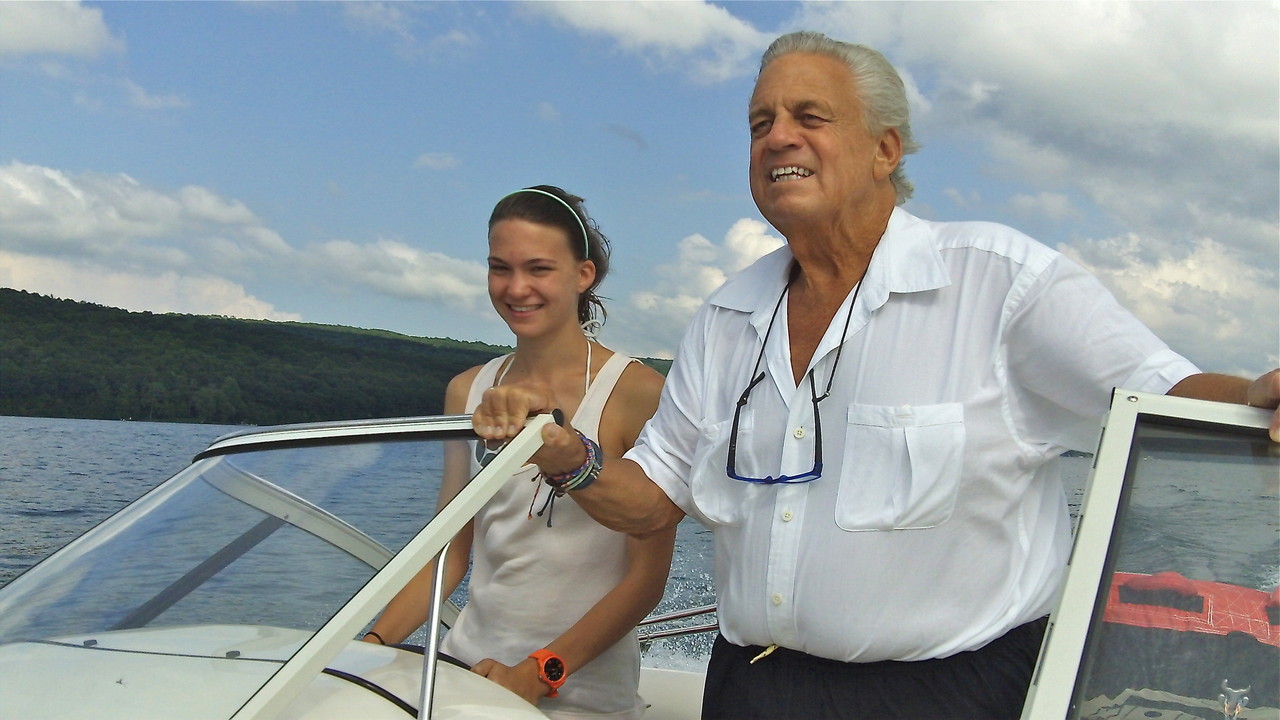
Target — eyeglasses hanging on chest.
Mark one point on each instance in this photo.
(758, 375)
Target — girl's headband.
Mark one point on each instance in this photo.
(586, 240)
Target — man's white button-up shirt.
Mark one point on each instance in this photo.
(974, 357)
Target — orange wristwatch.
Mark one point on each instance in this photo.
(551, 670)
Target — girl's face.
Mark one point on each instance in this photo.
(534, 279)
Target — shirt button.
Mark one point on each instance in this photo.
(777, 599)
(787, 515)
(799, 433)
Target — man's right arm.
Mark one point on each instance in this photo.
(623, 498)
(626, 500)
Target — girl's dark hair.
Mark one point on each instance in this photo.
(565, 211)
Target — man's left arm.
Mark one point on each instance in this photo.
(1263, 392)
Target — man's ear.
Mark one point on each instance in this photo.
(888, 154)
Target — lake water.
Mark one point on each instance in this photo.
(59, 477)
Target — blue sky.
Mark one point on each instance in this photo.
(336, 163)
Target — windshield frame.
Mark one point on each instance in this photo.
(1135, 418)
(388, 571)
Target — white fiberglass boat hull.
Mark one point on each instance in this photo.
(192, 672)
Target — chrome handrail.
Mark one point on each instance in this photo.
(678, 632)
(427, 692)
(654, 634)
(677, 615)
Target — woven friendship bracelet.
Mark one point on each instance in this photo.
(594, 464)
(581, 476)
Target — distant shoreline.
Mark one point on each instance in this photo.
(70, 359)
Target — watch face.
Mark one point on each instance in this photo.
(553, 668)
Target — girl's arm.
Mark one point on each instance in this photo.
(648, 558)
(412, 605)
(607, 622)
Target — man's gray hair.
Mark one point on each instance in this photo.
(877, 84)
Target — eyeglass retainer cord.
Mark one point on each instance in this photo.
(813, 392)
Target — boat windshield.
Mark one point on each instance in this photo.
(1170, 608)
(1187, 606)
(235, 564)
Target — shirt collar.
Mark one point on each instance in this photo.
(906, 260)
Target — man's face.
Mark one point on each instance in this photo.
(812, 159)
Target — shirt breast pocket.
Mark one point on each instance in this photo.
(901, 466)
(720, 499)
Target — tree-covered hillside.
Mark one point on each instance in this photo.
(61, 358)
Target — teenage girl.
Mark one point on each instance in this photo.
(554, 597)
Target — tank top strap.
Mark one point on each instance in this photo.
(587, 417)
(484, 380)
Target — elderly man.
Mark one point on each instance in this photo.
(868, 420)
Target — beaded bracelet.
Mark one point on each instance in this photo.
(581, 476)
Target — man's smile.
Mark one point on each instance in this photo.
(790, 172)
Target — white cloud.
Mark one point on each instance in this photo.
(201, 203)
(112, 240)
(71, 29)
(138, 291)
(1202, 302)
(388, 17)
(391, 267)
(1129, 63)
(963, 198)
(451, 41)
(142, 99)
(400, 21)
(1252, 236)
(119, 221)
(651, 322)
(917, 101)
(436, 161)
(58, 28)
(1052, 206)
(704, 39)
(1142, 107)
(1028, 158)
(43, 205)
(548, 113)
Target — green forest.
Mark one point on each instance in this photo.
(62, 358)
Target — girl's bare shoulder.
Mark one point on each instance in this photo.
(639, 382)
(633, 402)
(455, 395)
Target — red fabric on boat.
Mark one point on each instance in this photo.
(1168, 580)
(1227, 608)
